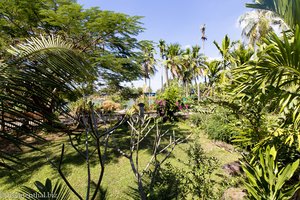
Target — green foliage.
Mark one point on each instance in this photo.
(46, 192)
(265, 180)
(218, 125)
(169, 100)
(167, 184)
(34, 83)
(107, 39)
(288, 10)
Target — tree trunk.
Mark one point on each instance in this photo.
(198, 92)
(2, 117)
(149, 92)
(167, 76)
(139, 179)
(186, 89)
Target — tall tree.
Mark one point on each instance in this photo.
(108, 39)
(198, 65)
(258, 23)
(224, 50)
(162, 51)
(148, 64)
(173, 61)
(288, 10)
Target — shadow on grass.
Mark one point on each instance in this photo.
(121, 139)
(51, 150)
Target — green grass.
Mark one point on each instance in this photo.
(118, 174)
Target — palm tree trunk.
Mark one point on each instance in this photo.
(162, 80)
(149, 92)
(186, 88)
(167, 75)
(144, 91)
(198, 90)
(2, 117)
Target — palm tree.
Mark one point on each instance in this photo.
(288, 10)
(241, 55)
(186, 73)
(162, 51)
(148, 62)
(224, 50)
(258, 23)
(173, 61)
(214, 71)
(191, 61)
(216, 74)
(198, 61)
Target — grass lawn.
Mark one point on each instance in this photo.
(118, 174)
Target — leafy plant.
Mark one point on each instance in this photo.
(218, 125)
(265, 180)
(168, 101)
(168, 184)
(198, 179)
(46, 192)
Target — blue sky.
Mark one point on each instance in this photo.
(180, 21)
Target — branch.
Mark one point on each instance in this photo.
(63, 176)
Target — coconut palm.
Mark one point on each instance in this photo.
(148, 66)
(162, 51)
(186, 73)
(148, 63)
(258, 23)
(198, 62)
(288, 10)
(173, 61)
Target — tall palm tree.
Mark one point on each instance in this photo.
(173, 61)
(215, 73)
(258, 23)
(191, 64)
(198, 63)
(224, 50)
(162, 51)
(186, 73)
(288, 10)
(148, 63)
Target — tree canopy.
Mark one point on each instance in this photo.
(108, 39)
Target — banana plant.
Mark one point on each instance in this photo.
(266, 181)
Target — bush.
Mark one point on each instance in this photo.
(198, 178)
(219, 125)
(169, 102)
